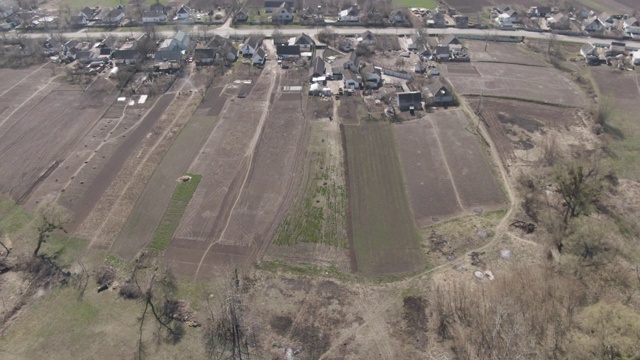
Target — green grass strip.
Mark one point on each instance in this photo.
(171, 218)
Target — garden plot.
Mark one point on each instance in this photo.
(540, 84)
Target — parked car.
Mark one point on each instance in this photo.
(242, 95)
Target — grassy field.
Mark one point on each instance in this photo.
(12, 217)
(384, 234)
(98, 326)
(319, 215)
(171, 218)
(618, 94)
(429, 4)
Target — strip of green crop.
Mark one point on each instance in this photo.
(172, 216)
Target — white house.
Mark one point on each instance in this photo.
(282, 14)
(367, 38)
(86, 13)
(353, 63)
(350, 14)
(114, 16)
(351, 80)
(250, 46)
(504, 20)
(272, 5)
(636, 57)
(5, 11)
(397, 16)
(183, 13)
(593, 24)
(304, 41)
(153, 17)
(630, 21)
(259, 57)
(182, 39)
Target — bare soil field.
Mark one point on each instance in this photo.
(109, 215)
(39, 132)
(527, 133)
(431, 187)
(12, 78)
(446, 170)
(474, 6)
(620, 92)
(503, 53)
(150, 206)
(383, 235)
(248, 166)
(474, 180)
(543, 84)
(96, 161)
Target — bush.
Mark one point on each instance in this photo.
(130, 290)
(105, 275)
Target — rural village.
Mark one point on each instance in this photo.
(320, 179)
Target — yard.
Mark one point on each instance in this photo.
(383, 232)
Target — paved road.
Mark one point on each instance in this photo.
(226, 31)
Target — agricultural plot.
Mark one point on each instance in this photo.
(97, 160)
(40, 126)
(249, 166)
(223, 165)
(145, 218)
(619, 93)
(541, 84)
(447, 173)
(475, 183)
(319, 214)
(384, 236)
(474, 6)
(529, 132)
(503, 53)
(469, 6)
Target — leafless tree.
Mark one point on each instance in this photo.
(52, 218)
(228, 336)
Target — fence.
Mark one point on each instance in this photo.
(397, 74)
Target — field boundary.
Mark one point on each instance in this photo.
(522, 99)
(352, 247)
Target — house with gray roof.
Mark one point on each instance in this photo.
(409, 101)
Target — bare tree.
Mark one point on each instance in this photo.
(228, 336)
(52, 218)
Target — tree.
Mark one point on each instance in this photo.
(52, 218)
(278, 36)
(327, 36)
(606, 331)
(580, 190)
(227, 336)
